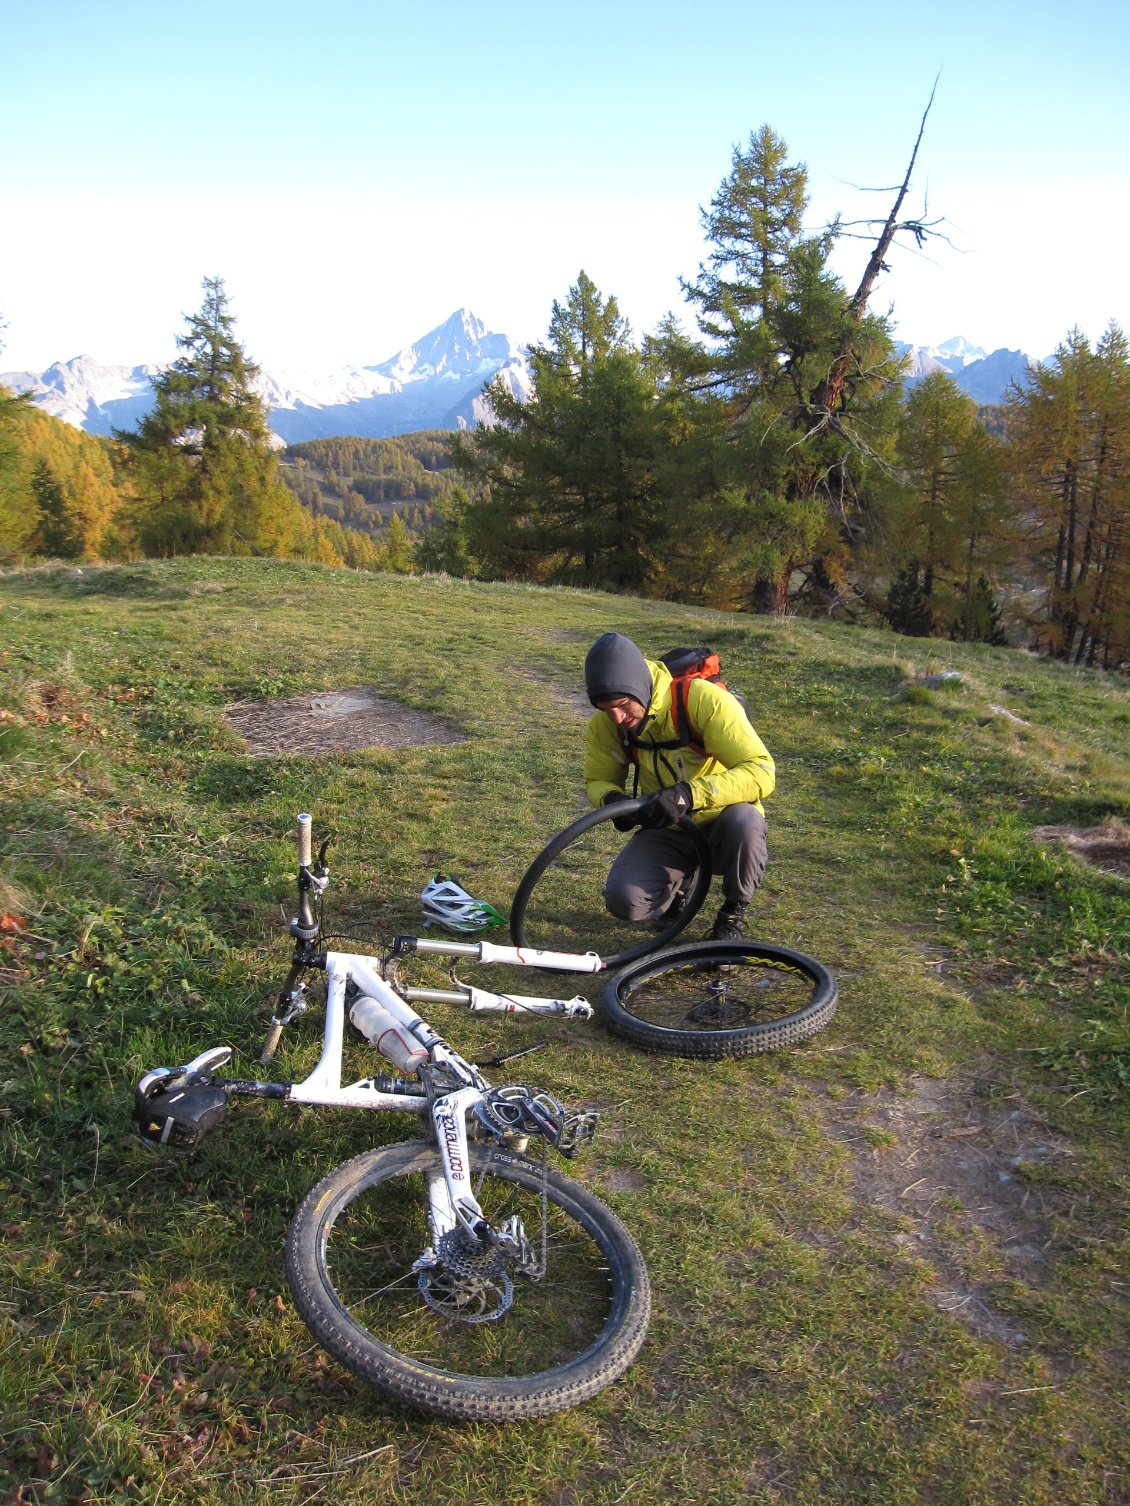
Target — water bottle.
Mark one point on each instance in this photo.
(385, 1032)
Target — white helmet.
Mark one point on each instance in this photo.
(449, 905)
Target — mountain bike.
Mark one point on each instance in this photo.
(454, 1271)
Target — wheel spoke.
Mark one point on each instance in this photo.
(716, 997)
(548, 1321)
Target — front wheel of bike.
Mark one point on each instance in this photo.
(720, 998)
(557, 1341)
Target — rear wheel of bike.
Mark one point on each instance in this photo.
(560, 1339)
(720, 998)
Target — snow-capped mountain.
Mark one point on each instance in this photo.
(435, 383)
(89, 396)
(984, 376)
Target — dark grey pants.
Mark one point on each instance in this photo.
(655, 865)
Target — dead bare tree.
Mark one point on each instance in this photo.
(828, 396)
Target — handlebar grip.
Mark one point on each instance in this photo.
(271, 1045)
(305, 845)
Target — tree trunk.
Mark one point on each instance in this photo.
(828, 396)
(770, 597)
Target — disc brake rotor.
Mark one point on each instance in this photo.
(470, 1284)
(718, 1008)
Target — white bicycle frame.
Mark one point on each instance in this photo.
(478, 999)
(451, 1198)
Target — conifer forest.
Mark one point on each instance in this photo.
(758, 452)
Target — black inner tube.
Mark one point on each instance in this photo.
(554, 848)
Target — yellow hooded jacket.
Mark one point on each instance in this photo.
(737, 767)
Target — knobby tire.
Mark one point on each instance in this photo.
(596, 1270)
(674, 984)
(553, 849)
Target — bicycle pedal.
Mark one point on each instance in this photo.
(579, 1131)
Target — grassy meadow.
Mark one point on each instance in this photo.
(889, 1265)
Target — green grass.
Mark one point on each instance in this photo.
(798, 1350)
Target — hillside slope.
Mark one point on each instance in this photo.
(73, 474)
(832, 1321)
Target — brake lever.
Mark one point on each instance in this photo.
(204, 1065)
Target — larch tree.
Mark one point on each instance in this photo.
(14, 523)
(988, 537)
(1068, 436)
(773, 316)
(202, 460)
(13, 518)
(946, 519)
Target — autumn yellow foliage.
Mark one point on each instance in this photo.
(44, 456)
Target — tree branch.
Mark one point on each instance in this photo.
(828, 396)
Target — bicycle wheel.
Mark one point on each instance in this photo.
(559, 1340)
(553, 849)
(720, 998)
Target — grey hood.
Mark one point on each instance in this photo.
(614, 666)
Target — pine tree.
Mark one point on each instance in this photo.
(397, 547)
(444, 548)
(909, 607)
(567, 481)
(205, 470)
(982, 621)
(55, 534)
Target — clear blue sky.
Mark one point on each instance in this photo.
(357, 170)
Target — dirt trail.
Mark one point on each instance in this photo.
(947, 1165)
(335, 721)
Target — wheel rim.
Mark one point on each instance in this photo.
(718, 989)
(367, 1254)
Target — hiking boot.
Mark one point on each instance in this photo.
(728, 924)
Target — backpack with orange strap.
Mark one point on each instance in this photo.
(687, 664)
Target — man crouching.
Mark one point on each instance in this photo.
(717, 770)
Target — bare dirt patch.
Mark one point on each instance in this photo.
(334, 721)
(1106, 847)
(947, 1166)
(624, 1179)
(573, 700)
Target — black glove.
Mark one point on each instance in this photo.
(667, 807)
(621, 823)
